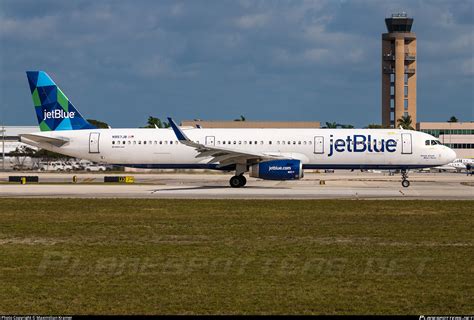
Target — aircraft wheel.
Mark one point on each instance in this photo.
(243, 179)
(237, 182)
(405, 183)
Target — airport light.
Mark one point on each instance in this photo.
(3, 148)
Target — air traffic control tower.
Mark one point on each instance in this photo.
(398, 70)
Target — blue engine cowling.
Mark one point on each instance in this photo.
(286, 169)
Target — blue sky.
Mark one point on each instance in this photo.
(121, 61)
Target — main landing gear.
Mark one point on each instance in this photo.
(238, 181)
(405, 182)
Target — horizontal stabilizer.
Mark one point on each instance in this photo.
(57, 142)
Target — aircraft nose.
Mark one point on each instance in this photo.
(450, 155)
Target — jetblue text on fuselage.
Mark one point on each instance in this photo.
(361, 143)
(58, 114)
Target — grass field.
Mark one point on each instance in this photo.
(73, 256)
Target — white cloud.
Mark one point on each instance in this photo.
(270, 44)
(316, 55)
(251, 21)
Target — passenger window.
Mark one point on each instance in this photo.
(123, 142)
(171, 142)
(304, 142)
(113, 142)
(261, 142)
(250, 142)
(427, 142)
(240, 142)
(223, 142)
(245, 142)
(134, 142)
(299, 142)
(161, 142)
(129, 142)
(144, 142)
(309, 142)
(294, 142)
(269, 142)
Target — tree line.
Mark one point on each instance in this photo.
(405, 122)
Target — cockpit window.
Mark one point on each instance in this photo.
(432, 142)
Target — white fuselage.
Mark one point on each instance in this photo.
(316, 148)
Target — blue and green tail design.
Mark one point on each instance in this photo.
(53, 109)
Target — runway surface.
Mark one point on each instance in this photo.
(343, 184)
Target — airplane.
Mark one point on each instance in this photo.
(464, 161)
(272, 154)
(457, 165)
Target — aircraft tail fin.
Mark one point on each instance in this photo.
(53, 109)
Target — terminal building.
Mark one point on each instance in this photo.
(457, 135)
(10, 141)
(10, 137)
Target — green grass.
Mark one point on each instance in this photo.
(124, 256)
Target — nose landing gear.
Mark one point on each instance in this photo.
(405, 182)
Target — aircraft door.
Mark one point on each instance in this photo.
(210, 140)
(406, 143)
(319, 145)
(94, 142)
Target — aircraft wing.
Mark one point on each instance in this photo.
(57, 142)
(223, 156)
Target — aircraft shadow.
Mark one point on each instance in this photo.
(211, 188)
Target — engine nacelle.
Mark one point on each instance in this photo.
(286, 169)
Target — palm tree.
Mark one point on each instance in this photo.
(346, 126)
(98, 124)
(242, 118)
(453, 119)
(331, 125)
(405, 122)
(156, 122)
(374, 126)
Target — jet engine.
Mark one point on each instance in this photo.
(286, 169)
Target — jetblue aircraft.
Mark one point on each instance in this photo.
(273, 154)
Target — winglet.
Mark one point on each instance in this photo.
(177, 131)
